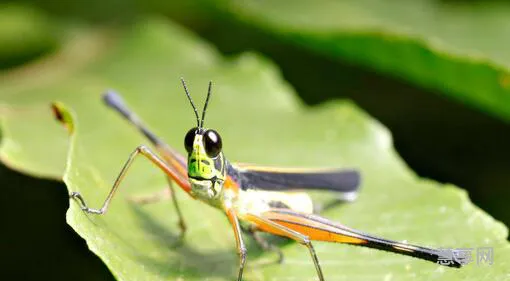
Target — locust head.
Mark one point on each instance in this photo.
(206, 163)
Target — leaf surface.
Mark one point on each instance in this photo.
(260, 121)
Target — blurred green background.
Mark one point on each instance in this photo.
(425, 69)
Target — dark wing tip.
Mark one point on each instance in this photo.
(453, 261)
(347, 180)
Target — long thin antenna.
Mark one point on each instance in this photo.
(191, 101)
(206, 103)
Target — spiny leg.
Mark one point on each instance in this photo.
(264, 244)
(277, 229)
(241, 248)
(171, 173)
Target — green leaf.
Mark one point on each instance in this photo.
(455, 47)
(25, 33)
(260, 121)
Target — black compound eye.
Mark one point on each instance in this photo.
(212, 143)
(189, 138)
